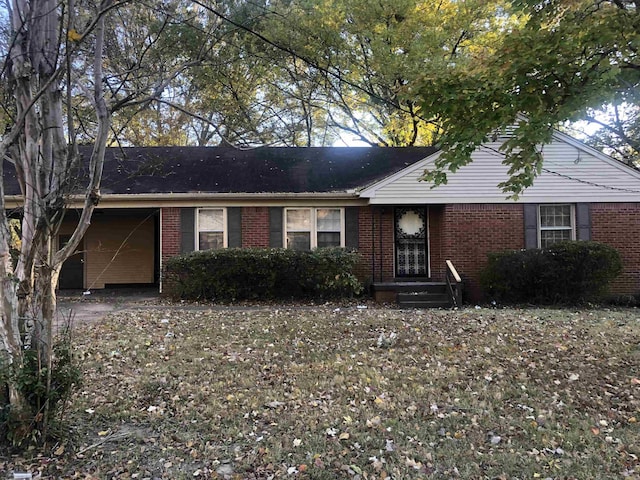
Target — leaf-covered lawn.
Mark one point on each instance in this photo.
(361, 393)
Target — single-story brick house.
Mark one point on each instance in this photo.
(162, 201)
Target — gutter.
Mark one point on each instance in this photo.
(141, 200)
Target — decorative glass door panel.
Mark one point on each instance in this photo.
(411, 242)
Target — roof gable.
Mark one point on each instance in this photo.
(572, 172)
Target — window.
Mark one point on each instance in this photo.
(210, 227)
(556, 224)
(307, 228)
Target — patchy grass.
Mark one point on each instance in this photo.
(327, 392)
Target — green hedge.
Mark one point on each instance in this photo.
(259, 273)
(567, 272)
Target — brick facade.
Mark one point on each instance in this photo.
(471, 231)
(437, 255)
(255, 227)
(463, 233)
(376, 243)
(170, 222)
(618, 225)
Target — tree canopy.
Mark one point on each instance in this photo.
(306, 72)
(403, 72)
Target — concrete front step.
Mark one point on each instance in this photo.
(432, 304)
(413, 294)
(423, 300)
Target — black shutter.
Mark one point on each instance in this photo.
(352, 227)
(583, 221)
(531, 225)
(187, 230)
(275, 227)
(234, 224)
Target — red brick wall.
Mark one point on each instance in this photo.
(436, 255)
(461, 233)
(170, 222)
(255, 227)
(469, 232)
(618, 225)
(365, 271)
(376, 242)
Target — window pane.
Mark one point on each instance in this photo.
(299, 240)
(211, 220)
(328, 239)
(299, 220)
(549, 237)
(210, 240)
(555, 216)
(328, 220)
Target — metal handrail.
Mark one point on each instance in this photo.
(454, 284)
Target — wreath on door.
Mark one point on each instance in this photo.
(410, 223)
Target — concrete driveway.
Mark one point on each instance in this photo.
(87, 308)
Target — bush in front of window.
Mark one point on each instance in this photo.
(566, 272)
(227, 275)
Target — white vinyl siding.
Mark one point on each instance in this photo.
(571, 175)
(556, 223)
(211, 232)
(309, 228)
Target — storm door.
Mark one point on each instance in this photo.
(411, 242)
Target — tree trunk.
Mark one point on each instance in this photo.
(20, 414)
(44, 308)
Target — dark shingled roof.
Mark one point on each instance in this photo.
(137, 170)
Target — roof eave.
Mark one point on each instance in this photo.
(195, 198)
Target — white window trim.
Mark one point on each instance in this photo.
(573, 221)
(313, 218)
(225, 229)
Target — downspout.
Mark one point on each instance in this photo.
(373, 244)
(381, 257)
(160, 252)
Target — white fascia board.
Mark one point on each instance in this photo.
(497, 200)
(141, 200)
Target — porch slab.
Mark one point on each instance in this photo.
(416, 294)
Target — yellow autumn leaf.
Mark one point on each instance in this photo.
(73, 35)
(59, 451)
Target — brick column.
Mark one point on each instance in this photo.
(376, 242)
(170, 235)
(255, 227)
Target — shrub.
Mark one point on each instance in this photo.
(259, 273)
(567, 272)
(46, 395)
